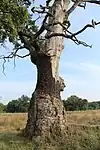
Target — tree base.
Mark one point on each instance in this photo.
(46, 116)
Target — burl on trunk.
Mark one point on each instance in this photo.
(46, 108)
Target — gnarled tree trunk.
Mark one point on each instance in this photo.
(46, 108)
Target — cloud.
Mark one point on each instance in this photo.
(83, 80)
(85, 67)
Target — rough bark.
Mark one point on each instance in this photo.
(46, 108)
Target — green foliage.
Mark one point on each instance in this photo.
(93, 105)
(11, 141)
(13, 18)
(19, 105)
(83, 139)
(2, 108)
(75, 103)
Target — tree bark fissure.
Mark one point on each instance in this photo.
(46, 108)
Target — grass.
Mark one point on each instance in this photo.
(83, 133)
(12, 121)
(10, 126)
(89, 117)
(11, 141)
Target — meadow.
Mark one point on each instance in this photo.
(83, 132)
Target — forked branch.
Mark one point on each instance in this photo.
(81, 3)
(12, 55)
(72, 36)
(85, 27)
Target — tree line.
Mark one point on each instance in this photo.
(72, 103)
(16, 106)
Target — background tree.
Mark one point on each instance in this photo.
(75, 103)
(19, 105)
(44, 46)
(85, 104)
(93, 105)
(2, 108)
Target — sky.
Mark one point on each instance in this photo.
(79, 66)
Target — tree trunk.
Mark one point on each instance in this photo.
(46, 108)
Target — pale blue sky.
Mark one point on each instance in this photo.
(79, 66)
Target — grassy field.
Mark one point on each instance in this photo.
(83, 133)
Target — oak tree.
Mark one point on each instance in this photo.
(44, 44)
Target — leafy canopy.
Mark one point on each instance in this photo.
(14, 17)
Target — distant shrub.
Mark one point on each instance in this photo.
(19, 105)
(74, 103)
(2, 108)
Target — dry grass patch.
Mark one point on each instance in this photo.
(12, 121)
(82, 133)
(89, 117)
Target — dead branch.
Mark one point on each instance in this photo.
(93, 1)
(47, 2)
(42, 11)
(42, 28)
(12, 55)
(73, 38)
(81, 3)
(76, 3)
(87, 26)
(78, 42)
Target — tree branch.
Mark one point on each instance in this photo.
(93, 1)
(76, 3)
(87, 26)
(42, 28)
(78, 42)
(42, 11)
(73, 38)
(47, 2)
(12, 55)
(79, 3)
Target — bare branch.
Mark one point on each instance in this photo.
(23, 55)
(78, 42)
(47, 2)
(87, 26)
(93, 1)
(41, 30)
(42, 11)
(73, 38)
(70, 35)
(73, 7)
(37, 18)
(10, 56)
(81, 3)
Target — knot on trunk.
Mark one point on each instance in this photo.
(61, 84)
